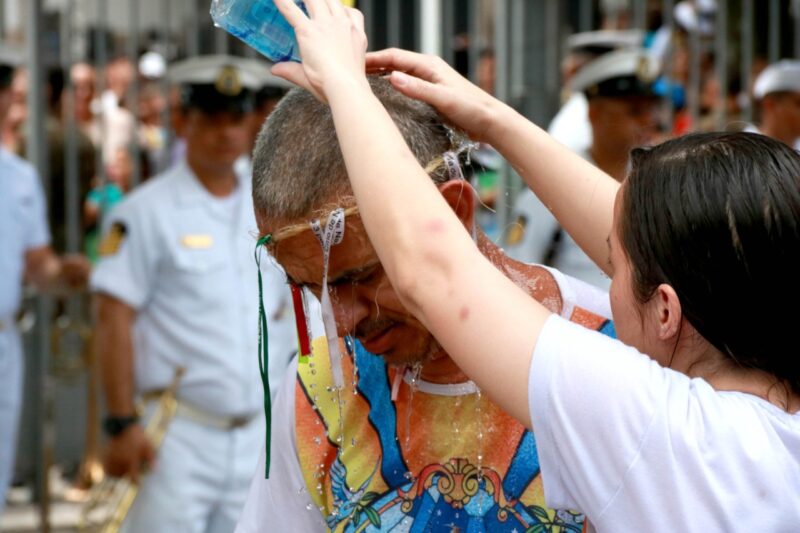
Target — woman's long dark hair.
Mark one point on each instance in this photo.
(717, 217)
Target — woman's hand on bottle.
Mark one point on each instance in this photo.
(332, 45)
(430, 79)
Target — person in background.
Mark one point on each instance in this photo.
(176, 289)
(777, 91)
(623, 112)
(25, 256)
(571, 124)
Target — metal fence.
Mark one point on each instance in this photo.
(514, 45)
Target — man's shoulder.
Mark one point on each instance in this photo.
(152, 196)
(23, 171)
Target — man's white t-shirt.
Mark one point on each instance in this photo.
(638, 447)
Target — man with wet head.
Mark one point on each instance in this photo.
(392, 433)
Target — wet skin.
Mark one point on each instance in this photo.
(365, 304)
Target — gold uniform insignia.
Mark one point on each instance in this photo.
(197, 242)
(113, 239)
(516, 231)
(645, 71)
(228, 82)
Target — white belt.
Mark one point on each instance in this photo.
(203, 417)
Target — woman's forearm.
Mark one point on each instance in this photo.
(430, 258)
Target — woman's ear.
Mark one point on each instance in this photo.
(460, 196)
(668, 312)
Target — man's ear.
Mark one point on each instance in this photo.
(668, 311)
(460, 196)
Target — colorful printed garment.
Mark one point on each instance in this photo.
(439, 458)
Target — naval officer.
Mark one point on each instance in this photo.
(177, 288)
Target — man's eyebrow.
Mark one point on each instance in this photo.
(354, 273)
(347, 275)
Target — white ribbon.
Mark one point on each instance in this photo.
(330, 236)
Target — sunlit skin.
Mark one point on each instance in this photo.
(364, 302)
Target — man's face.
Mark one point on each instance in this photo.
(364, 303)
(787, 107)
(216, 139)
(629, 122)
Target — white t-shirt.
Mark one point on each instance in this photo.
(638, 447)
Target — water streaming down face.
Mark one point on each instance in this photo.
(364, 302)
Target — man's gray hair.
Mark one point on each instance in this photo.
(297, 163)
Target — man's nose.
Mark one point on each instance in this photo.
(350, 308)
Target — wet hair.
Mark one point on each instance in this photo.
(717, 217)
(298, 165)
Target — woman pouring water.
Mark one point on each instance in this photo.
(689, 421)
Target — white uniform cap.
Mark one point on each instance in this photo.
(698, 16)
(783, 76)
(604, 40)
(211, 69)
(268, 79)
(620, 73)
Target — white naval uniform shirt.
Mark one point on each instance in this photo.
(23, 226)
(539, 226)
(186, 264)
(571, 126)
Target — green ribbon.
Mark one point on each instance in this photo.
(263, 351)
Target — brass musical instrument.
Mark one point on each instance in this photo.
(111, 500)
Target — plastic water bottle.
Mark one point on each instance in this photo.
(259, 24)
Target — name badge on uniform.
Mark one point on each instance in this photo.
(197, 242)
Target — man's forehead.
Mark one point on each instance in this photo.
(280, 228)
(299, 251)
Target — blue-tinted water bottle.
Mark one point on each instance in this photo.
(259, 24)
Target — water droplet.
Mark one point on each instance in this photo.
(319, 486)
(480, 458)
(352, 442)
(408, 475)
(339, 438)
(309, 507)
(329, 389)
(313, 372)
(301, 490)
(317, 441)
